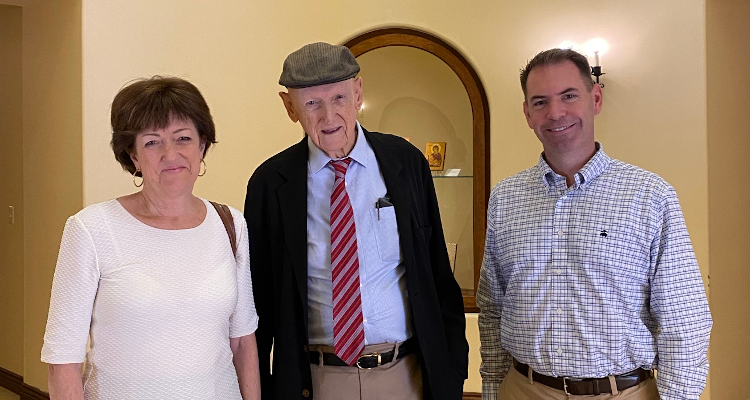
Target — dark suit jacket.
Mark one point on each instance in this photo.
(276, 213)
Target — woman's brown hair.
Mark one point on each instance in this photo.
(152, 103)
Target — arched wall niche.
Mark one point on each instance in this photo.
(409, 37)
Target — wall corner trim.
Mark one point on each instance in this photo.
(15, 384)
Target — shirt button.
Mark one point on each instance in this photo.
(564, 197)
(559, 351)
(558, 271)
(305, 393)
(559, 233)
(559, 311)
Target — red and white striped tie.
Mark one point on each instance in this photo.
(348, 332)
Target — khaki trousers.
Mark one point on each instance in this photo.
(515, 386)
(397, 380)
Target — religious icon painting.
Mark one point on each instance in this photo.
(435, 153)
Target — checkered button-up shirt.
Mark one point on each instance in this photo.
(592, 280)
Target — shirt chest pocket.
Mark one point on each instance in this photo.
(618, 247)
(386, 233)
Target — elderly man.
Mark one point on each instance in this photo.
(589, 281)
(350, 270)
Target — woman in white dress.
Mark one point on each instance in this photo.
(149, 280)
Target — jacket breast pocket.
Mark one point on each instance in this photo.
(427, 233)
(386, 233)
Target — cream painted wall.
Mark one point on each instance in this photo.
(11, 189)
(51, 156)
(655, 107)
(728, 85)
(227, 49)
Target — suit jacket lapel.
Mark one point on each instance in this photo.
(398, 189)
(292, 195)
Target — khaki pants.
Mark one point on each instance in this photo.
(399, 379)
(515, 386)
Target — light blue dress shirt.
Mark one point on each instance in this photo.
(385, 309)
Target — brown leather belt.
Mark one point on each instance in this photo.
(586, 386)
(366, 361)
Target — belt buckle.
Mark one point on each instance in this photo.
(565, 386)
(368, 355)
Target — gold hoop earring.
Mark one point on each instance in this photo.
(135, 176)
(203, 162)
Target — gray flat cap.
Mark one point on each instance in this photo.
(318, 64)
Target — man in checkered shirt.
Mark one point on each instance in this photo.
(589, 280)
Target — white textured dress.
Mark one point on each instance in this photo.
(159, 306)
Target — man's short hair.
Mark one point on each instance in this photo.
(557, 56)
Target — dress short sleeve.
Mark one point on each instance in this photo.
(74, 289)
(244, 320)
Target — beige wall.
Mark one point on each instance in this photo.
(51, 156)
(78, 53)
(729, 230)
(11, 189)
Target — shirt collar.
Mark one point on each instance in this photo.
(590, 171)
(318, 160)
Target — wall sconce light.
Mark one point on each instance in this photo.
(596, 70)
(597, 47)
